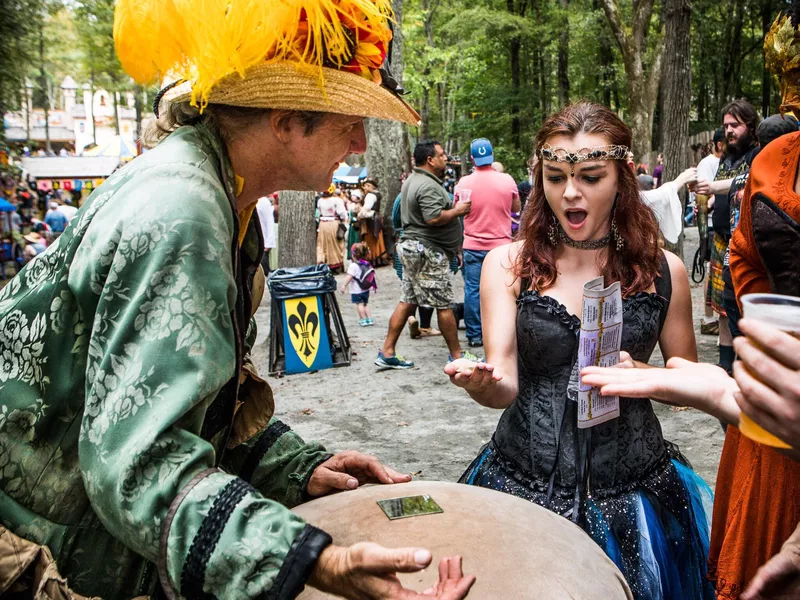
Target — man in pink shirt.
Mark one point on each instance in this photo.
(494, 197)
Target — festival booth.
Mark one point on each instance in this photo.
(350, 175)
(306, 332)
(70, 173)
(115, 147)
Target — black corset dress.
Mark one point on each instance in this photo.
(620, 481)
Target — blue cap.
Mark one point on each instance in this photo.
(482, 152)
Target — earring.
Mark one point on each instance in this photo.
(615, 233)
(552, 232)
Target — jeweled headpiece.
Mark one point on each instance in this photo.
(548, 152)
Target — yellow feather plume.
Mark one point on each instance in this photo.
(204, 41)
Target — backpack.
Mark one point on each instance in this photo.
(366, 277)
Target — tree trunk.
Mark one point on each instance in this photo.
(642, 86)
(387, 153)
(733, 55)
(677, 86)
(297, 234)
(766, 76)
(138, 92)
(116, 113)
(425, 103)
(90, 108)
(45, 91)
(516, 125)
(563, 58)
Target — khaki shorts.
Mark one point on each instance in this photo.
(426, 276)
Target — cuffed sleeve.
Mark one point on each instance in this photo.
(299, 563)
(278, 463)
(430, 202)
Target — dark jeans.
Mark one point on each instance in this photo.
(265, 262)
(473, 265)
(730, 303)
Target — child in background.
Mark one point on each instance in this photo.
(361, 278)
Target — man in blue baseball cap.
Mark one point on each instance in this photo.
(482, 152)
(494, 196)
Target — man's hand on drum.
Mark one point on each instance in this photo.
(773, 399)
(367, 571)
(699, 385)
(473, 377)
(347, 470)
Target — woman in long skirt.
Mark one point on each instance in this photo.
(330, 243)
(372, 224)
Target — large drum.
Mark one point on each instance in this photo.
(515, 548)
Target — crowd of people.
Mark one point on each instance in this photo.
(26, 229)
(139, 452)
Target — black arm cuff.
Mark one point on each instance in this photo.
(299, 563)
(261, 447)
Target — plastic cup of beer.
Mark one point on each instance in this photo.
(781, 312)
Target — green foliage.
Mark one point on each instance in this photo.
(19, 22)
(467, 71)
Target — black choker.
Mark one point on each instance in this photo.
(587, 245)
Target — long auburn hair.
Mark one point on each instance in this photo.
(637, 264)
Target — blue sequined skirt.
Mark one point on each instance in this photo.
(656, 532)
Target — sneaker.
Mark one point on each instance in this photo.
(413, 328)
(709, 327)
(476, 343)
(370, 322)
(467, 356)
(363, 322)
(393, 362)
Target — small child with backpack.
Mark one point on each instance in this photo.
(361, 278)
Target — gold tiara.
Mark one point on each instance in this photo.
(548, 152)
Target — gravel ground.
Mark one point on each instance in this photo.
(416, 420)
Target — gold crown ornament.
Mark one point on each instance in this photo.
(310, 55)
(782, 54)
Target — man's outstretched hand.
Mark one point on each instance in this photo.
(367, 571)
(347, 470)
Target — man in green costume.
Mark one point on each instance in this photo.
(137, 443)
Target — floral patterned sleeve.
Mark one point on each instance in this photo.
(157, 263)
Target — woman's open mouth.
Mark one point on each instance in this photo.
(576, 217)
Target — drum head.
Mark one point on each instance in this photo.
(515, 548)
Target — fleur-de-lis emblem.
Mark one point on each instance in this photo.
(303, 323)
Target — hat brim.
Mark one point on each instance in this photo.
(284, 85)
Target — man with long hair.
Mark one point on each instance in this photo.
(739, 121)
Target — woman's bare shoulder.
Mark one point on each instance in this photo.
(502, 262)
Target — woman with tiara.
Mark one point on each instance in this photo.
(626, 486)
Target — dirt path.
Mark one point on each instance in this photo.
(416, 420)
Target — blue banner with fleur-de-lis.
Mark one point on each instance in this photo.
(305, 335)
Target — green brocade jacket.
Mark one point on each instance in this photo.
(132, 441)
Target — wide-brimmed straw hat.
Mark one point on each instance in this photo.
(308, 55)
(32, 237)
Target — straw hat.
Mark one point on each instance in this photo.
(310, 55)
(32, 237)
